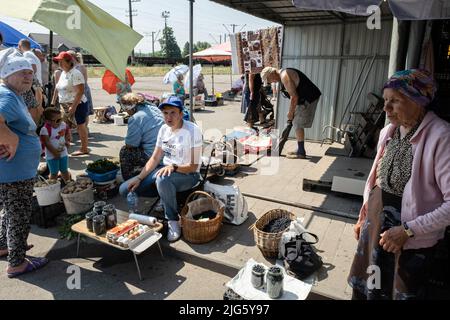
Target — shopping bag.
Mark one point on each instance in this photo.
(236, 209)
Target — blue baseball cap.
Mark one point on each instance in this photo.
(172, 101)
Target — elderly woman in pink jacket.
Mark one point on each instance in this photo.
(407, 196)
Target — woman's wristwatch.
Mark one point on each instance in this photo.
(175, 167)
(408, 231)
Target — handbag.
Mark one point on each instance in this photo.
(300, 258)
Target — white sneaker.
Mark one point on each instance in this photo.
(174, 232)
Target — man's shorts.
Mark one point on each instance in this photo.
(304, 115)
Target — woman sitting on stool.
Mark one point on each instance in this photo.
(143, 127)
(179, 145)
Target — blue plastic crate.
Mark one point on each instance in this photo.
(102, 177)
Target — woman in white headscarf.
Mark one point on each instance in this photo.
(20, 151)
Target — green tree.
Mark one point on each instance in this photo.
(202, 46)
(199, 46)
(171, 48)
(186, 49)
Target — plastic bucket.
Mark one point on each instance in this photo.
(118, 120)
(49, 194)
(78, 202)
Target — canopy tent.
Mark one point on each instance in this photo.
(82, 23)
(11, 37)
(401, 9)
(218, 53)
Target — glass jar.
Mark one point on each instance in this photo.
(258, 273)
(99, 225)
(275, 278)
(110, 213)
(89, 220)
(98, 206)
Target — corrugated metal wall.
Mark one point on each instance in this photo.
(316, 51)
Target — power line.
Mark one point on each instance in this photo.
(233, 25)
(214, 38)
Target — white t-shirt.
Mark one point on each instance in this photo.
(57, 140)
(66, 83)
(31, 57)
(177, 145)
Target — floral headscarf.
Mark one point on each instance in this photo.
(416, 84)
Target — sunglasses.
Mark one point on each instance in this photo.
(56, 120)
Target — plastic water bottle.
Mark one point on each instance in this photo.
(132, 200)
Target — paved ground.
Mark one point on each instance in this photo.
(197, 272)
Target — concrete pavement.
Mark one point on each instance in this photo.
(108, 273)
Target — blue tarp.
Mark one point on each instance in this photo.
(11, 37)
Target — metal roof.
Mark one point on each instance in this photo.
(284, 12)
(44, 39)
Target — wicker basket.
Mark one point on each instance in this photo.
(268, 242)
(200, 231)
(231, 169)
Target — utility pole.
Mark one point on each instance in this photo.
(191, 61)
(154, 39)
(165, 15)
(132, 13)
(233, 25)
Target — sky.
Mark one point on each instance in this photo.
(209, 20)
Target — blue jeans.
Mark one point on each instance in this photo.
(167, 188)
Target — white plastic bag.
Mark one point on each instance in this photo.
(236, 209)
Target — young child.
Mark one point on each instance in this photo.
(55, 135)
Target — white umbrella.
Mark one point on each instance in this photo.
(196, 70)
(220, 52)
(171, 76)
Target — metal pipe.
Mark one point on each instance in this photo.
(191, 63)
(344, 113)
(341, 53)
(50, 71)
(303, 206)
(363, 84)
